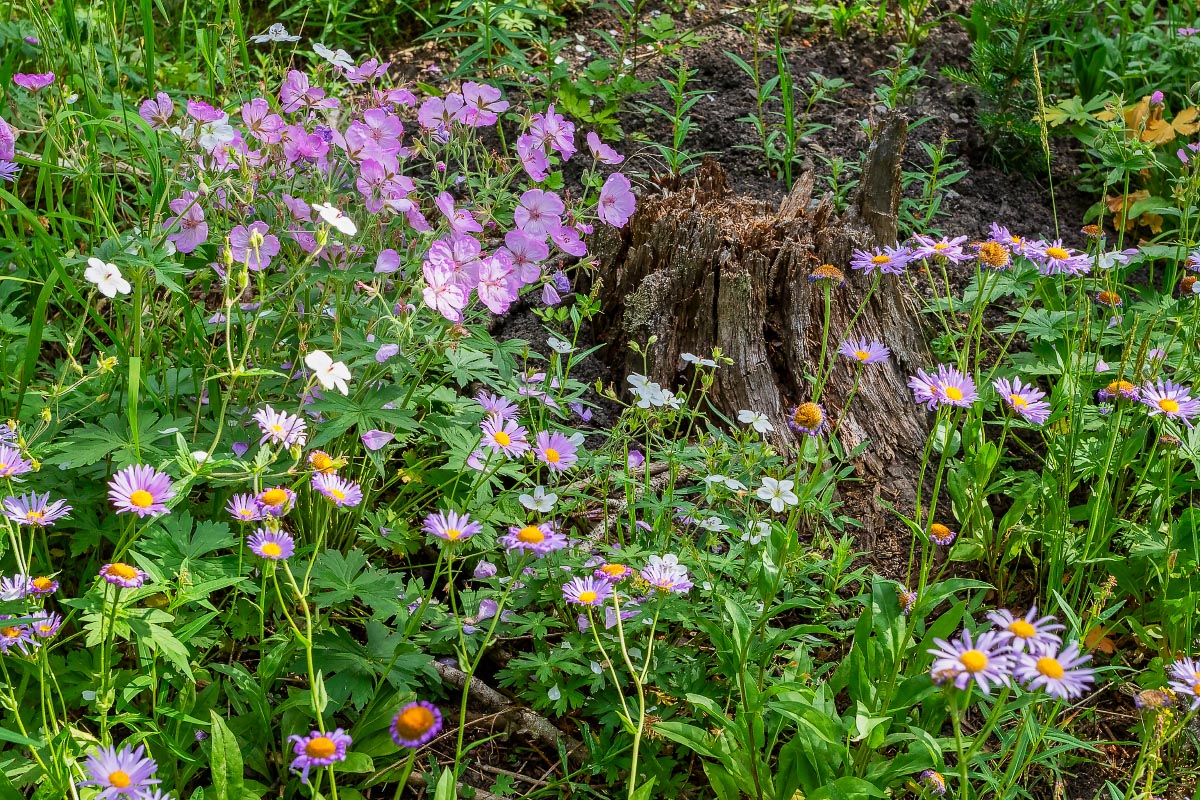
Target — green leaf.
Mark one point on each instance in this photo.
(227, 769)
(446, 790)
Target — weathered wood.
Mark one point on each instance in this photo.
(699, 267)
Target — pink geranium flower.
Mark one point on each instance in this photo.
(34, 81)
(617, 203)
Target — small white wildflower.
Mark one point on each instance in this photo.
(336, 218)
(340, 59)
(559, 346)
(778, 493)
(755, 535)
(597, 668)
(329, 372)
(554, 693)
(756, 421)
(107, 278)
(275, 33)
(540, 500)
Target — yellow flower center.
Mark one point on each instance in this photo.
(453, 533)
(531, 534)
(1109, 298)
(587, 597)
(119, 779)
(1168, 405)
(1022, 629)
(941, 246)
(1057, 252)
(320, 461)
(412, 723)
(1120, 387)
(994, 255)
(808, 415)
(121, 570)
(881, 259)
(42, 584)
(1017, 401)
(552, 455)
(502, 438)
(861, 355)
(613, 569)
(10, 633)
(939, 530)
(35, 516)
(974, 661)
(277, 428)
(320, 747)
(246, 513)
(1050, 667)
(337, 494)
(45, 627)
(274, 497)
(953, 392)
(271, 549)
(141, 498)
(3, 467)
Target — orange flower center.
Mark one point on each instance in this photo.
(320, 461)
(320, 747)
(42, 584)
(10, 633)
(613, 569)
(1050, 667)
(1057, 252)
(939, 530)
(502, 438)
(1022, 629)
(274, 497)
(974, 661)
(587, 597)
(552, 455)
(808, 415)
(119, 779)
(531, 534)
(414, 722)
(1168, 405)
(142, 499)
(122, 570)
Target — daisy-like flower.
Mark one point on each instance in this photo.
(244, 508)
(140, 489)
(934, 782)
(342, 492)
(1171, 400)
(993, 255)
(16, 637)
(827, 273)
(947, 386)
(888, 260)
(12, 464)
(331, 374)
(1054, 259)
(497, 405)
(106, 277)
(272, 545)
(555, 451)
(589, 591)
(42, 586)
(451, 526)
(322, 462)
(778, 493)
(281, 427)
(864, 352)
(949, 249)
(942, 536)
(17, 587)
(756, 421)
(1059, 673)
(540, 500)
(1026, 400)
(907, 599)
(35, 510)
(613, 573)
(121, 773)
(984, 661)
(1184, 680)
(332, 216)
(276, 501)
(1118, 390)
(808, 418)
(666, 574)
(46, 626)
(416, 724)
(124, 575)
(1028, 631)
(504, 436)
(538, 539)
(1110, 299)
(318, 750)
(1017, 245)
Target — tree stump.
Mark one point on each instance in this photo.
(699, 267)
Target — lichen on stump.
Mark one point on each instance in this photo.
(699, 267)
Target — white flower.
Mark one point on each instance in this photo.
(554, 693)
(216, 133)
(539, 500)
(336, 218)
(647, 391)
(692, 358)
(275, 33)
(200, 456)
(713, 524)
(106, 277)
(597, 668)
(329, 372)
(755, 535)
(1102, 365)
(756, 421)
(718, 478)
(341, 59)
(734, 485)
(778, 493)
(672, 400)
(559, 346)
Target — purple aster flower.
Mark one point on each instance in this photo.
(613, 573)
(1118, 390)
(666, 574)
(942, 536)
(1059, 673)
(16, 637)
(9, 170)
(140, 489)
(589, 591)
(416, 724)
(451, 526)
(281, 427)
(539, 539)
(42, 586)
(864, 352)
(17, 587)
(888, 260)
(375, 439)
(46, 625)
(949, 249)
(244, 508)
(341, 491)
(1054, 259)
(484, 570)
(12, 464)
(33, 81)
(125, 773)
(121, 574)
(276, 501)
(35, 510)
(272, 545)
(318, 750)
(556, 451)
(1170, 399)
(1184, 680)
(1025, 400)
(1018, 245)
(984, 661)
(497, 406)
(946, 387)
(808, 418)
(1027, 631)
(504, 436)
(934, 782)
